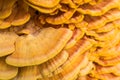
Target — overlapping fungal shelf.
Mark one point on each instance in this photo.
(59, 39)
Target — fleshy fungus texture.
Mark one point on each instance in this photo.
(59, 39)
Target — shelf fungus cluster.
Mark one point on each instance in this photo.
(59, 39)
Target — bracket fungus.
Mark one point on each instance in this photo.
(109, 53)
(30, 50)
(99, 21)
(80, 2)
(21, 17)
(107, 77)
(7, 40)
(61, 18)
(105, 44)
(106, 69)
(104, 36)
(16, 17)
(87, 69)
(28, 73)
(73, 70)
(76, 18)
(70, 3)
(108, 62)
(100, 8)
(43, 3)
(59, 39)
(51, 65)
(43, 9)
(77, 35)
(6, 8)
(108, 27)
(7, 71)
(86, 78)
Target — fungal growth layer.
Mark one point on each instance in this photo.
(59, 39)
